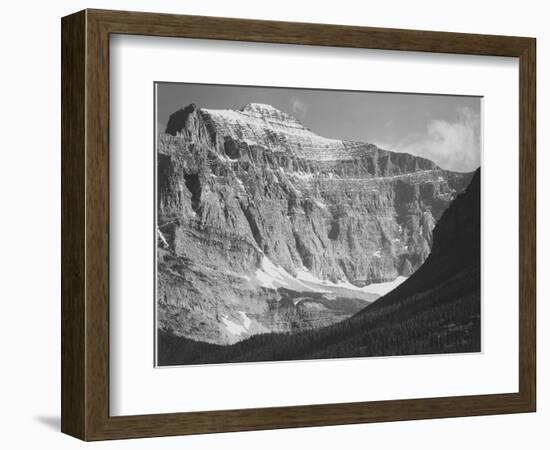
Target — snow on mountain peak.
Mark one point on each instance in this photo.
(260, 108)
(265, 125)
(268, 112)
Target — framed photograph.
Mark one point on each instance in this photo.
(273, 225)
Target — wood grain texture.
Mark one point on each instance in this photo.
(85, 224)
(151, 24)
(73, 112)
(527, 224)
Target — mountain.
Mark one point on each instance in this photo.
(436, 310)
(265, 226)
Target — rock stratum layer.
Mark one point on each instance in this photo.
(265, 226)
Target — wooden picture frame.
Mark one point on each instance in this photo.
(85, 224)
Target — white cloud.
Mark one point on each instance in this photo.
(452, 145)
(298, 107)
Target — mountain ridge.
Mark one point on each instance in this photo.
(268, 128)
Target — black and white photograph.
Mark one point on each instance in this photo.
(300, 224)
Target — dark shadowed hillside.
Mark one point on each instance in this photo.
(437, 310)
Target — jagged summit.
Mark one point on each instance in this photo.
(260, 124)
(256, 115)
(266, 126)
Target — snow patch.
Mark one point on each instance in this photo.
(377, 254)
(302, 175)
(374, 288)
(320, 204)
(246, 320)
(273, 277)
(162, 238)
(383, 288)
(234, 328)
(306, 275)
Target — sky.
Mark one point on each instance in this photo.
(445, 129)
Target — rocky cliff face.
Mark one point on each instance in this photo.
(436, 310)
(264, 225)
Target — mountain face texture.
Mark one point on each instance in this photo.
(265, 226)
(437, 310)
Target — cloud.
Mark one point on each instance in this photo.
(298, 107)
(452, 145)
